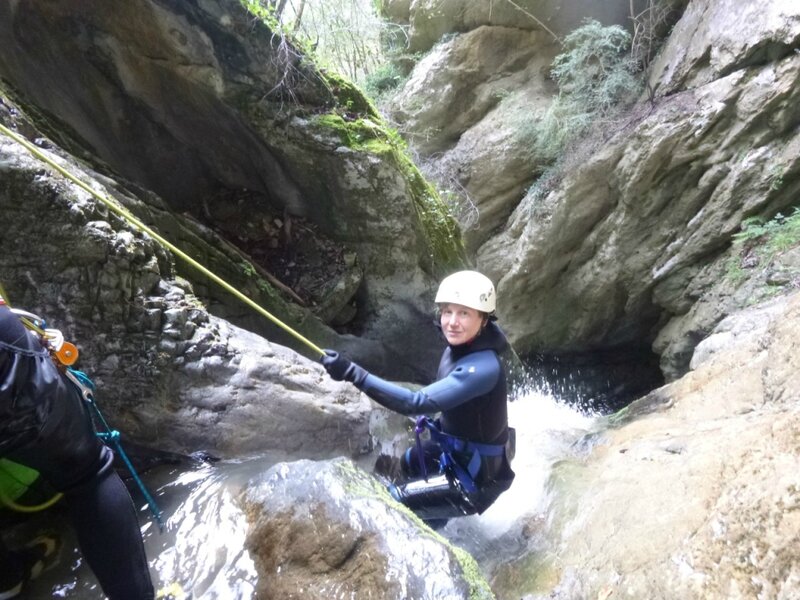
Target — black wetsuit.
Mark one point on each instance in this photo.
(471, 395)
(44, 424)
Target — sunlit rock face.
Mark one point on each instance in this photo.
(693, 491)
(634, 242)
(328, 529)
(483, 78)
(461, 110)
(715, 39)
(430, 20)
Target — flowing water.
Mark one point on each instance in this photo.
(201, 548)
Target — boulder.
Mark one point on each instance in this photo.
(331, 530)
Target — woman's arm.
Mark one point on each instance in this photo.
(472, 376)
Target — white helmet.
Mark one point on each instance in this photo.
(468, 288)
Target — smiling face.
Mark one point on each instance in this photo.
(460, 324)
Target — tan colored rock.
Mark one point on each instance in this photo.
(695, 492)
(461, 80)
(716, 37)
(635, 238)
(430, 20)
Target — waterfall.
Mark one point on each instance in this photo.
(547, 431)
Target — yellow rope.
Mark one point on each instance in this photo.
(8, 502)
(132, 220)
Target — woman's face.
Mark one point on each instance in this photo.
(460, 324)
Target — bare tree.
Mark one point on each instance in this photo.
(277, 7)
(298, 18)
(344, 33)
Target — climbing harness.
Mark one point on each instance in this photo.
(450, 444)
(137, 224)
(452, 492)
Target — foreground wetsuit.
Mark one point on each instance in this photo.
(470, 393)
(44, 424)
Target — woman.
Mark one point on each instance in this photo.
(466, 456)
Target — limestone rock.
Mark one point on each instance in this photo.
(461, 80)
(462, 109)
(714, 39)
(431, 20)
(331, 530)
(167, 373)
(228, 124)
(637, 232)
(693, 492)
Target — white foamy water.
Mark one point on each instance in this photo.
(546, 430)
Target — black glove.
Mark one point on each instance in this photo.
(337, 366)
(341, 369)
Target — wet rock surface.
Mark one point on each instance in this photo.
(330, 529)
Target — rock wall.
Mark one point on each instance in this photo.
(632, 245)
(168, 374)
(430, 20)
(693, 491)
(461, 109)
(631, 248)
(223, 119)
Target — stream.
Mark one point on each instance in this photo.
(200, 552)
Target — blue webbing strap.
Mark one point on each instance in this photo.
(419, 428)
(449, 444)
(86, 387)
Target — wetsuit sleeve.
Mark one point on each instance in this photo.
(472, 376)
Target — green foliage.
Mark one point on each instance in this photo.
(596, 77)
(595, 72)
(344, 35)
(263, 12)
(759, 241)
(779, 233)
(383, 80)
(776, 177)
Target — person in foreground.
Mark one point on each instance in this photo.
(44, 424)
(464, 466)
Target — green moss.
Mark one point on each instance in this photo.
(348, 96)
(441, 229)
(361, 485)
(535, 573)
(478, 587)
(380, 8)
(265, 13)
